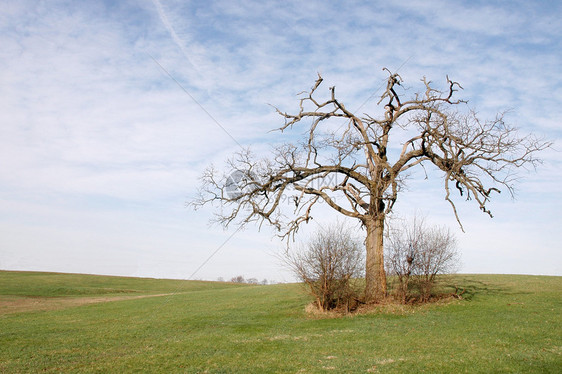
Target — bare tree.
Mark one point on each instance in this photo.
(349, 162)
(238, 279)
(416, 253)
(329, 265)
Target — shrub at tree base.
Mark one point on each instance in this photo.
(416, 255)
(329, 265)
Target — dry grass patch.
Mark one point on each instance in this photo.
(387, 306)
(18, 304)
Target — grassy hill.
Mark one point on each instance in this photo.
(83, 323)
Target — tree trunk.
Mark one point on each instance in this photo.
(375, 276)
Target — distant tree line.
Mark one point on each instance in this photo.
(241, 279)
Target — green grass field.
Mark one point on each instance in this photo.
(82, 323)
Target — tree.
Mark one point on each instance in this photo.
(238, 279)
(359, 167)
(329, 265)
(418, 252)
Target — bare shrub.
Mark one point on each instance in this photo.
(402, 245)
(416, 254)
(329, 264)
(438, 256)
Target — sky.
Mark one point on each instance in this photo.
(110, 112)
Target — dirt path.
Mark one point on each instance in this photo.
(17, 304)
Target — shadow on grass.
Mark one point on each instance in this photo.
(469, 287)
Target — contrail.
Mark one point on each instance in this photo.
(172, 32)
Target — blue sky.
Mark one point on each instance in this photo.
(100, 149)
